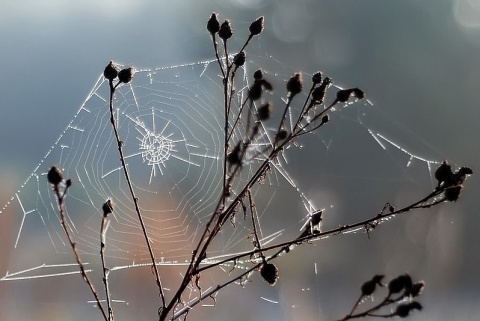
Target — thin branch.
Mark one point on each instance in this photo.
(132, 193)
(106, 271)
(67, 229)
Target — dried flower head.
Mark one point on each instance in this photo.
(213, 25)
(256, 27)
(126, 75)
(325, 119)
(344, 95)
(282, 134)
(444, 174)
(111, 71)
(264, 111)
(358, 93)
(317, 77)
(295, 84)
(239, 59)
(54, 176)
(68, 183)
(404, 309)
(234, 157)
(225, 32)
(453, 193)
(107, 207)
(402, 282)
(257, 75)
(369, 287)
(269, 273)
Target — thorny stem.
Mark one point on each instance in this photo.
(134, 198)
(67, 229)
(106, 272)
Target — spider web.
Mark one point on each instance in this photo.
(171, 123)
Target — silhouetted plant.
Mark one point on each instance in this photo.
(246, 116)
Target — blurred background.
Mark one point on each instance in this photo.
(418, 63)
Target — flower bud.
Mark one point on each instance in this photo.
(111, 71)
(54, 176)
(126, 75)
(225, 32)
(295, 84)
(256, 27)
(269, 272)
(213, 25)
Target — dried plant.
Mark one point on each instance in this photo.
(247, 116)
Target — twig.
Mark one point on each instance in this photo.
(106, 271)
(132, 193)
(61, 208)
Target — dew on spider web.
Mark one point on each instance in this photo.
(170, 121)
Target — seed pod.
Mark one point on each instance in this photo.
(264, 111)
(239, 59)
(416, 289)
(54, 176)
(257, 75)
(403, 310)
(69, 182)
(255, 91)
(325, 119)
(213, 25)
(126, 75)
(107, 207)
(453, 193)
(444, 174)
(256, 27)
(269, 272)
(295, 84)
(225, 32)
(234, 158)
(400, 283)
(369, 287)
(111, 71)
(358, 93)
(343, 95)
(317, 77)
(282, 134)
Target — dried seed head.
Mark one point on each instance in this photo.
(266, 85)
(107, 207)
(317, 77)
(239, 59)
(256, 27)
(264, 111)
(111, 71)
(225, 32)
(400, 283)
(234, 158)
(282, 134)
(404, 309)
(461, 175)
(358, 93)
(369, 287)
(444, 174)
(453, 193)
(255, 91)
(325, 119)
(257, 75)
(343, 95)
(54, 176)
(68, 183)
(126, 75)
(295, 84)
(416, 289)
(269, 272)
(213, 25)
